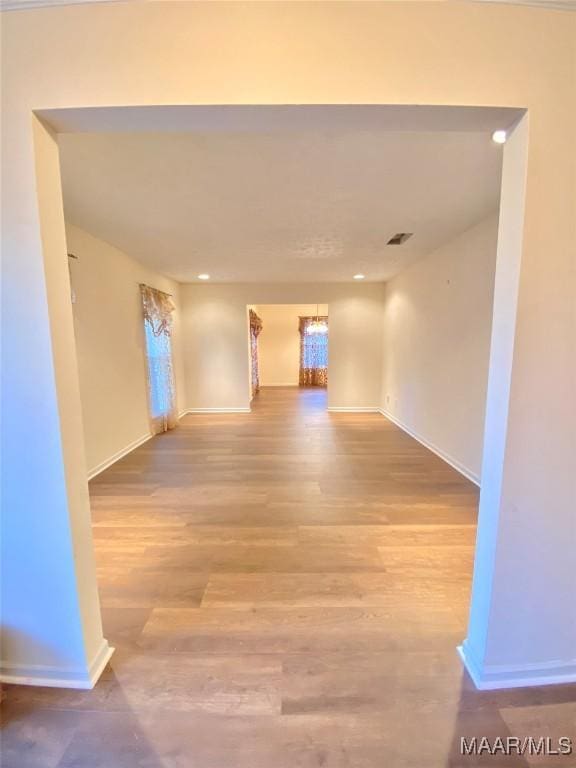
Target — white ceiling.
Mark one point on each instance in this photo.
(303, 200)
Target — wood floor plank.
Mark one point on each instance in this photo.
(389, 535)
(331, 589)
(285, 589)
(285, 630)
(243, 558)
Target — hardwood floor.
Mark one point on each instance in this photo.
(284, 589)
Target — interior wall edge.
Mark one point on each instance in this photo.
(92, 473)
(454, 463)
(437, 336)
(58, 677)
(513, 676)
(111, 345)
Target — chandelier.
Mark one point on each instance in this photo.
(317, 325)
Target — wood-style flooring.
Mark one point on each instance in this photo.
(284, 589)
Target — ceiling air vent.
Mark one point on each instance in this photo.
(399, 238)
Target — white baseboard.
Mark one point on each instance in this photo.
(459, 467)
(117, 456)
(495, 677)
(286, 384)
(57, 677)
(353, 409)
(217, 410)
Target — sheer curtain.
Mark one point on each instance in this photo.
(255, 328)
(313, 353)
(157, 310)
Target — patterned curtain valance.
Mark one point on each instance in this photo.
(157, 307)
(255, 323)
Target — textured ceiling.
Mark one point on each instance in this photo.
(317, 202)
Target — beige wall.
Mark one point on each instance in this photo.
(215, 340)
(292, 53)
(436, 344)
(437, 324)
(279, 342)
(110, 345)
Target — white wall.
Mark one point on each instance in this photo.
(437, 324)
(215, 340)
(110, 344)
(307, 53)
(279, 342)
(506, 534)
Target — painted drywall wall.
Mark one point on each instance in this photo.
(110, 345)
(279, 342)
(215, 340)
(51, 628)
(437, 325)
(306, 53)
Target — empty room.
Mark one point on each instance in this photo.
(287, 401)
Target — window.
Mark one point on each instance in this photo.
(159, 358)
(313, 351)
(158, 308)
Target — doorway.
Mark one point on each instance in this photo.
(501, 363)
(289, 345)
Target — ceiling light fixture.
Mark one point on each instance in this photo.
(203, 276)
(359, 277)
(499, 137)
(317, 325)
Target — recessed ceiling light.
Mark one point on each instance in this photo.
(359, 277)
(499, 137)
(203, 276)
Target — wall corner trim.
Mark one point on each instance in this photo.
(468, 473)
(58, 677)
(491, 678)
(118, 455)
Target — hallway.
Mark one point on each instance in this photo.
(292, 581)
